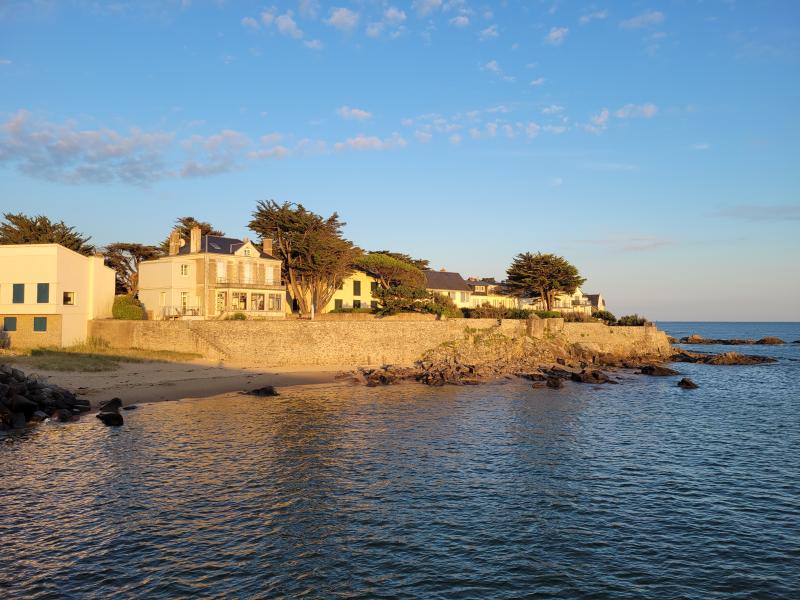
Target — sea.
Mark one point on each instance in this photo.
(503, 490)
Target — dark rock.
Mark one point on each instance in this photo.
(657, 371)
(265, 391)
(687, 384)
(38, 416)
(699, 339)
(111, 405)
(23, 405)
(18, 420)
(770, 341)
(112, 419)
(554, 383)
(532, 376)
(62, 415)
(130, 407)
(18, 375)
(734, 358)
(593, 376)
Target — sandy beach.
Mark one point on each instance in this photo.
(137, 383)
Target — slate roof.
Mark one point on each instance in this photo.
(594, 299)
(215, 244)
(445, 280)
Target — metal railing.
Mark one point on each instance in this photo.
(176, 312)
(247, 282)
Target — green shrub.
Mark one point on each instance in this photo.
(632, 320)
(547, 314)
(604, 315)
(443, 306)
(485, 311)
(237, 316)
(519, 313)
(127, 308)
(352, 310)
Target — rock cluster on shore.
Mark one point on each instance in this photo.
(726, 358)
(25, 400)
(699, 339)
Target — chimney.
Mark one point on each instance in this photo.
(194, 240)
(266, 244)
(174, 242)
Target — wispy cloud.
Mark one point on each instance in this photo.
(426, 7)
(353, 114)
(593, 16)
(631, 111)
(633, 243)
(599, 122)
(494, 67)
(701, 146)
(459, 21)
(343, 19)
(538, 81)
(646, 19)
(250, 23)
(362, 142)
(556, 36)
(488, 33)
(755, 212)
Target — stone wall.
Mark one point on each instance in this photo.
(301, 343)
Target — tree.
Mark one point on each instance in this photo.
(420, 263)
(185, 225)
(541, 276)
(22, 229)
(316, 258)
(124, 258)
(391, 271)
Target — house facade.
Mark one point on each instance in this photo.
(212, 277)
(358, 290)
(597, 301)
(485, 291)
(49, 293)
(453, 285)
(576, 302)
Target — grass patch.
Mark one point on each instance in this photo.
(92, 357)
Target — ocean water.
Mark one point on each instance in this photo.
(637, 490)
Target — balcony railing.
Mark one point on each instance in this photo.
(176, 312)
(247, 282)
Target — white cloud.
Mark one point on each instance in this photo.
(488, 33)
(701, 146)
(362, 142)
(343, 19)
(455, 139)
(268, 17)
(375, 29)
(423, 137)
(598, 122)
(538, 81)
(653, 17)
(593, 16)
(552, 109)
(630, 111)
(426, 7)
(309, 8)
(250, 23)
(394, 16)
(554, 129)
(509, 132)
(494, 67)
(532, 130)
(313, 44)
(556, 36)
(353, 114)
(459, 21)
(270, 138)
(274, 152)
(287, 25)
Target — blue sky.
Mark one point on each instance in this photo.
(654, 144)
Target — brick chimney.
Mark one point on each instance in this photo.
(266, 244)
(174, 242)
(194, 240)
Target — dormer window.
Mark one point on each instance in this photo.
(247, 251)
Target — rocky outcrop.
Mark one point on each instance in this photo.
(264, 392)
(657, 371)
(687, 384)
(726, 358)
(109, 413)
(699, 339)
(770, 341)
(25, 400)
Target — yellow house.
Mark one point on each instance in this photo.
(484, 291)
(358, 290)
(450, 284)
(48, 294)
(211, 278)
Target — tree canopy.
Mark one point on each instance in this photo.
(390, 270)
(316, 257)
(542, 276)
(420, 263)
(185, 226)
(124, 258)
(18, 228)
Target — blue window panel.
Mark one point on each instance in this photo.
(19, 293)
(42, 293)
(10, 323)
(40, 323)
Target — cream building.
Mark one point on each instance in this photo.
(358, 290)
(49, 293)
(212, 277)
(576, 302)
(484, 291)
(450, 284)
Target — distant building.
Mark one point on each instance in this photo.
(485, 291)
(597, 301)
(449, 284)
(575, 302)
(49, 293)
(212, 277)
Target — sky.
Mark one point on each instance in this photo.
(653, 144)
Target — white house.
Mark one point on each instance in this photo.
(49, 293)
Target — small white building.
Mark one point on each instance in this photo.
(49, 293)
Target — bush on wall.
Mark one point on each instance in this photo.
(127, 308)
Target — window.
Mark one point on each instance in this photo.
(452, 295)
(356, 303)
(42, 293)
(275, 301)
(373, 304)
(465, 296)
(69, 298)
(18, 293)
(222, 301)
(184, 299)
(338, 304)
(40, 324)
(356, 288)
(257, 302)
(184, 270)
(373, 288)
(10, 323)
(247, 251)
(238, 301)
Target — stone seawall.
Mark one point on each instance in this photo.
(354, 343)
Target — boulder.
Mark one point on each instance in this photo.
(657, 371)
(18, 420)
(112, 419)
(23, 405)
(590, 376)
(130, 407)
(111, 405)
(554, 383)
(62, 415)
(770, 341)
(734, 358)
(687, 384)
(38, 416)
(265, 391)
